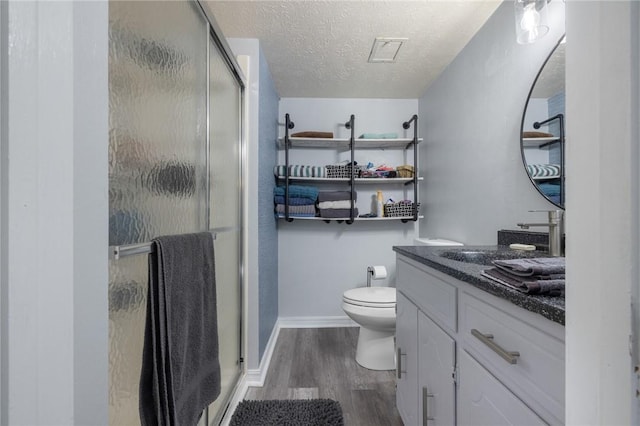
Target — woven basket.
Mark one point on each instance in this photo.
(405, 171)
(399, 209)
(342, 172)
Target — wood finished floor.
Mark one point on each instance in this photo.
(320, 363)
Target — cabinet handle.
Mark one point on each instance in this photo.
(425, 406)
(399, 356)
(510, 356)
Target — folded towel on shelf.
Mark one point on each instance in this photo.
(296, 170)
(295, 201)
(532, 266)
(180, 373)
(550, 189)
(299, 211)
(343, 204)
(336, 196)
(543, 170)
(338, 213)
(312, 134)
(529, 285)
(378, 136)
(299, 191)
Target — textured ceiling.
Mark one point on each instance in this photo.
(319, 48)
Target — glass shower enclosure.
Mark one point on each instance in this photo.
(175, 162)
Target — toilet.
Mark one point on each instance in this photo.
(374, 309)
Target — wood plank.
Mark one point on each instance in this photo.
(320, 363)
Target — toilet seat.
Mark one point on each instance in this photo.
(372, 297)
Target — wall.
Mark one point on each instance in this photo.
(603, 204)
(54, 198)
(475, 182)
(261, 273)
(318, 261)
(267, 232)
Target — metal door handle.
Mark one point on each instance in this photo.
(399, 356)
(510, 356)
(425, 406)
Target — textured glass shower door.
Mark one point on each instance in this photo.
(159, 180)
(226, 214)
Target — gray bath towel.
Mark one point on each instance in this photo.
(533, 266)
(529, 285)
(180, 367)
(338, 213)
(336, 196)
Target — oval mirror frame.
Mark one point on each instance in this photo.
(546, 177)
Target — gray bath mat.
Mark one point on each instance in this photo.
(295, 412)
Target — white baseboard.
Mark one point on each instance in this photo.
(316, 322)
(256, 377)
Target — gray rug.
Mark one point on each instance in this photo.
(295, 412)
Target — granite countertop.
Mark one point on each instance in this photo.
(549, 307)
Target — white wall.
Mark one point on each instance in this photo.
(55, 198)
(475, 182)
(318, 261)
(602, 203)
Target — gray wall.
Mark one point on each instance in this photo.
(267, 232)
(475, 182)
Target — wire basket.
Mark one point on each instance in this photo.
(343, 171)
(405, 171)
(400, 209)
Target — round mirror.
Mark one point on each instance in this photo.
(542, 139)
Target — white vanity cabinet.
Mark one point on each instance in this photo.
(407, 359)
(481, 360)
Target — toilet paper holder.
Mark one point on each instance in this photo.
(376, 273)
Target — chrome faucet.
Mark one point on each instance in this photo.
(556, 229)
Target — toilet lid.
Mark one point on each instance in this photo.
(376, 297)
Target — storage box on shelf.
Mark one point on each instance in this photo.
(352, 174)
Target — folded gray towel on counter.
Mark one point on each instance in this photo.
(338, 213)
(529, 285)
(180, 373)
(533, 266)
(336, 196)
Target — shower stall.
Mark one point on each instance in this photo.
(175, 166)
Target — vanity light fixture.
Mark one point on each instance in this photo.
(532, 21)
(385, 49)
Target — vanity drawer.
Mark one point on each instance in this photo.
(537, 374)
(435, 297)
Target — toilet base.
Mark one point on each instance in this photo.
(376, 349)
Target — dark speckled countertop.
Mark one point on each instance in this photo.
(549, 307)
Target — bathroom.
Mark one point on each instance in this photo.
(55, 345)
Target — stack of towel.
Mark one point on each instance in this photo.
(541, 275)
(337, 204)
(302, 200)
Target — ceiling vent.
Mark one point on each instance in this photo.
(385, 49)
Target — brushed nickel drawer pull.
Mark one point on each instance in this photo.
(399, 356)
(510, 356)
(425, 406)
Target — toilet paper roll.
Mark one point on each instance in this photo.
(378, 272)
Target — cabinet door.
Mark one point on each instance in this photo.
(407, 360)
(483, 400)
(435, 374)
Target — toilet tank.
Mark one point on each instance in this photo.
(435, 242)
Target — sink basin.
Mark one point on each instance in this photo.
(484, 257)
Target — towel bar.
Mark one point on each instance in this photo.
(117, 252)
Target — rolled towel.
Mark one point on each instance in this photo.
(336, 196)
(345, 204)
(296, 170)
(312, 134)
(294, 201)
(543, 170)
(300, 191)
(338, 213)
(532, 266)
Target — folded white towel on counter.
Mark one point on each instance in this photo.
(343, 204)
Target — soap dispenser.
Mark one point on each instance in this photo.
(379, 206)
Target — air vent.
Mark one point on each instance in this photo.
(385, 49)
